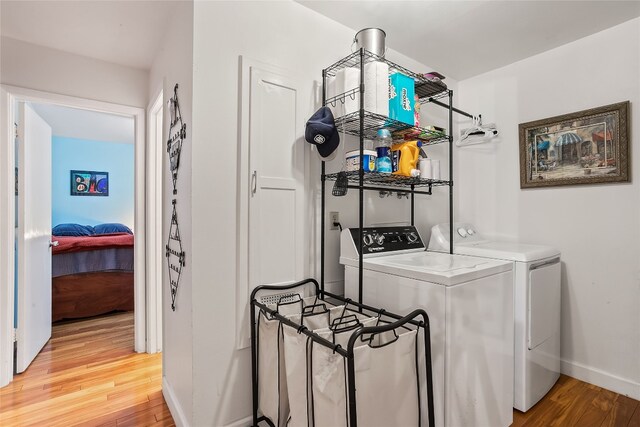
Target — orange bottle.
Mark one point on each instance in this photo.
(408, 155)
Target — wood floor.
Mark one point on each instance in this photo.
(575, 403)
(88, 375)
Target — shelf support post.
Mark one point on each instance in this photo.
(361, 183)
(450, 171)
(412, 205)
(322, 191)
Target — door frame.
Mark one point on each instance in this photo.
(8, 96)
(154, 194)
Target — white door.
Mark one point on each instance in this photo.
(276, 167)
(273, 220)
(34, 236)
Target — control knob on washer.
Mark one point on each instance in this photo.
(379, 238)
(412, 237)
(367, 239)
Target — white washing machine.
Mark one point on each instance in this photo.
(536, 303)
(470, 306)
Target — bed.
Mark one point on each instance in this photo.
(92, 275)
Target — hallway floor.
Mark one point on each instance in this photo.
(89, 375)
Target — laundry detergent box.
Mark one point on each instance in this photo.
(401, 98)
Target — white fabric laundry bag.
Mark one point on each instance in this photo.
(328, 375)
(272, 380)
(386, 381)
(296, 353)
(273, 400)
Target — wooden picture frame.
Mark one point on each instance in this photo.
(585, 147)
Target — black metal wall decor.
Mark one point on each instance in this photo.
(175, 255)
(177, 134)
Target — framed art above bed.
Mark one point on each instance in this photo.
(89, 183)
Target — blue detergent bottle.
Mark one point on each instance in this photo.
(383, 147)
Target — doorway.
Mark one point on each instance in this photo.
(86, 199)
(9, 96)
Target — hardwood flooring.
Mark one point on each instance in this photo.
(88, 375)
(575, 403)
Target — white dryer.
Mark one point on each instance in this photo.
(470, 306)
(536, 304)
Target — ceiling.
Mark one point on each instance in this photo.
(462, 39)
(122, 32)
(86, 124)
(458, 38)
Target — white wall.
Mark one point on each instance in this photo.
(41, 68)
(172, 65)
(597, 227)
(290, 36)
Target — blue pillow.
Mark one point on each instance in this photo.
(112, 227)
(73, 230)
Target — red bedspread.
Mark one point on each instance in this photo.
(88, 243)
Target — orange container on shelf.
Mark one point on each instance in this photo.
(404, 157)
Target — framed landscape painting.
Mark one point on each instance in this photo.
(89, 183)
(586, 147)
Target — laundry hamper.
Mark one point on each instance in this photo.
(338, 359)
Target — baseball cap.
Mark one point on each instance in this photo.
(321, 131)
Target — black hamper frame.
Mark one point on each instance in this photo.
(399, 321)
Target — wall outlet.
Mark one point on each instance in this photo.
(334, 219)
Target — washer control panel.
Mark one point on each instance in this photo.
(387, 239)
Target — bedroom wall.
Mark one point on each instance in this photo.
(597, 227)
(79, 154)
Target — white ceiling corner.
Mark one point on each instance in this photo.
(127, 32)
(462, 39)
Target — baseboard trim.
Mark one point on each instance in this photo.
(241, 423)
(334, 286)
(174, 407)
(601, 379)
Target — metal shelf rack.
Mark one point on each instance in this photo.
(365, 124)
(350, 125)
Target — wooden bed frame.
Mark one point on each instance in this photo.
(91, 294)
